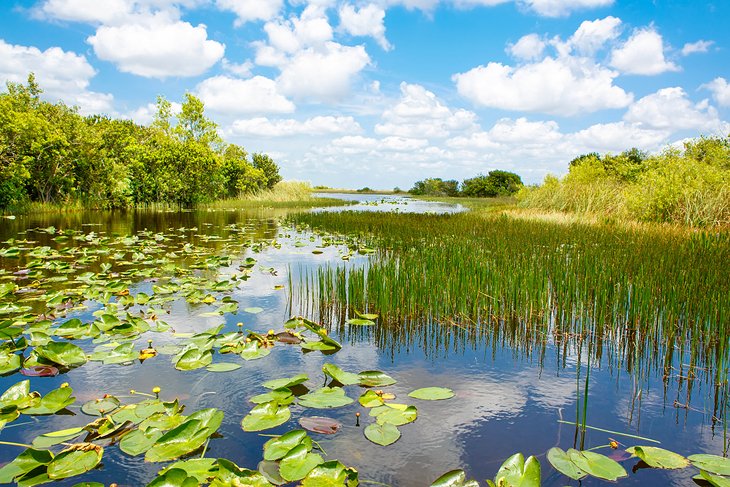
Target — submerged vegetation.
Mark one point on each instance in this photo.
(51, 154)
(688, 186)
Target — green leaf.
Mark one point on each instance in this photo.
(712, 479)
(253, 350)
(223, 367)
(331, 474)
(194, 358)
(344, 378)
(371, 399)
(270, 470)
(253, 310)
(139, 441)
(298, 463)
(265, 416)
(230, 474)
(375, 378)
(454, 478)
(281, 396)
(200, 468)
(17, 395)
(62, 353)
(382, 434)
(596, 464)
(75, 460)
(516, 472)
(658, 457)
(99, 407)
(432, 393)
(563, 464)
(183, 439)
(711, 463)
(286, 382)
(360, 322)
(55, 437)
(52, 402)
(27, 461)
(367, 316)
(396, 416)
(325, 397)
(118, 355)
(174, 477)
(9, 362)
(277, 448)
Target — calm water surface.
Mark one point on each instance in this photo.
(508, 398)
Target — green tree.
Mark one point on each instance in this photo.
(239, 175)
(496, 183)
(269, 168)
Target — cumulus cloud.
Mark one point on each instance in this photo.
(560, 86)
(321, 125)
(642, 53)
(88, 11)
(63, 75)
(249, 10)
(671, 109)
(367, 21)
(592, 35)
(228, 95)
(157, 47)
(694, 47)
(720, 91)
(616, 137)
(419, 113)
(561, 8)
(528, 48)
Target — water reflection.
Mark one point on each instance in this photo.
(512, 382)
(389, 203)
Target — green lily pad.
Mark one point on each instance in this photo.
(563, 464)
(194, 358)
(344, 378)
(382, 434)
(325, 397)
(139, 441)
(711, 463)
(231, 474)
(454, 478)
(62, 353)
(75, 460)
(712, 479)
(55, 437)
(183, 439)
(371, 399)
(265, 416)
(254, 350)
(298, 463)
(99, 407)
(331, 474)
(286, 382)
(200, 468)
(395, 416)
(596, 464)
(253, 310)
(375, 378)
(367, 316)
(277, 448)
(360, 322)
(432, 393)
(658, 457)
(174, 477)
(52, 402)
(281, 396)
(27, 461)
(515, 471)
(223, 367)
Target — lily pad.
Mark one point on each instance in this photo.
(265, 416)
(596, 464)
(396, 416)
(174, 477)
(711, 463)
(563, 464)
(281, 396)
(183, 439)
(320, 424)
(298, 463)
(55, 437)
(331, 474)
(223, 367)
(286, 382)
(371, 399)
(454, 478)
(253, 310)
(344, 378)
(99, 407)
(75, 460)
(515, 471)
(382, 434)
(62, 353)
(28, 460)
(375, 378)
(658, 457)
(432, 393)
(277, 448)
(325, 397)
(194, 358)
(39, 370)
(360, 322)
(52, 402)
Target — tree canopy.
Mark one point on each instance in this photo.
(496, 183)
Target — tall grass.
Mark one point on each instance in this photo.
(289, 194)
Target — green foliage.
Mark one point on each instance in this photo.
(435, 187)
(688, 187)
(51, 154)
(496, 183)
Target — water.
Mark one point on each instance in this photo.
(508, 398)
(392, 203)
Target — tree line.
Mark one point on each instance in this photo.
(495, 183)
(50, 153)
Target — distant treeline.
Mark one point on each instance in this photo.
(49, 153)
(688, 186)
(495, 183)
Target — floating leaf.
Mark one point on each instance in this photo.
(320, 424)
(277, 448)
(55, 437)
(138, 441)
(326, 397)
(331, 474)
(253, 310)
(194, 358)
(563, 464)
(367, 316)
(52, 402)
(516, 472)
(596, 464)
(371, 399)
(281, 396)
(183, 439)
(99, 407)
(223, 367)
(286, 382)
(712, 479)
(658, 457)
(270, 470)
(298, 463)
(360, 322)
(375, 378)
(344, 378)
(711, 463)
(253, 350)
(75, 460)
(174, 477)
(382, 434)
(39, 370)
(432, 393)
(27, 461)
(199, 468)
(265, 416)
(454, 478)
(62, 353)
(396, 416)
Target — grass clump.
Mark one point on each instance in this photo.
(289, 194)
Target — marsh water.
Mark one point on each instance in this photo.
(509, 394)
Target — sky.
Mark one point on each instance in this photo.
(382, 93)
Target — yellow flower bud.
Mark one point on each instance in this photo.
(156, 389)
(65, 384)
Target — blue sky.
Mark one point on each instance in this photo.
(382, 93)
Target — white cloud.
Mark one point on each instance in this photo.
(355, 144)
(321, 125)
(670, 109)
(617, 137)
(560, 8)
(323, 75)
(367, 21)
(248, 10)
(89, 11)
(528, 48)
(642, 54)
(311, 29)
(520, 134)
(242, 70)
(419, 113)
(694, 47)
(563, 86)
(720, 91)
(243, 96)
(592, 35)
(157, 47)
(63, 75)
